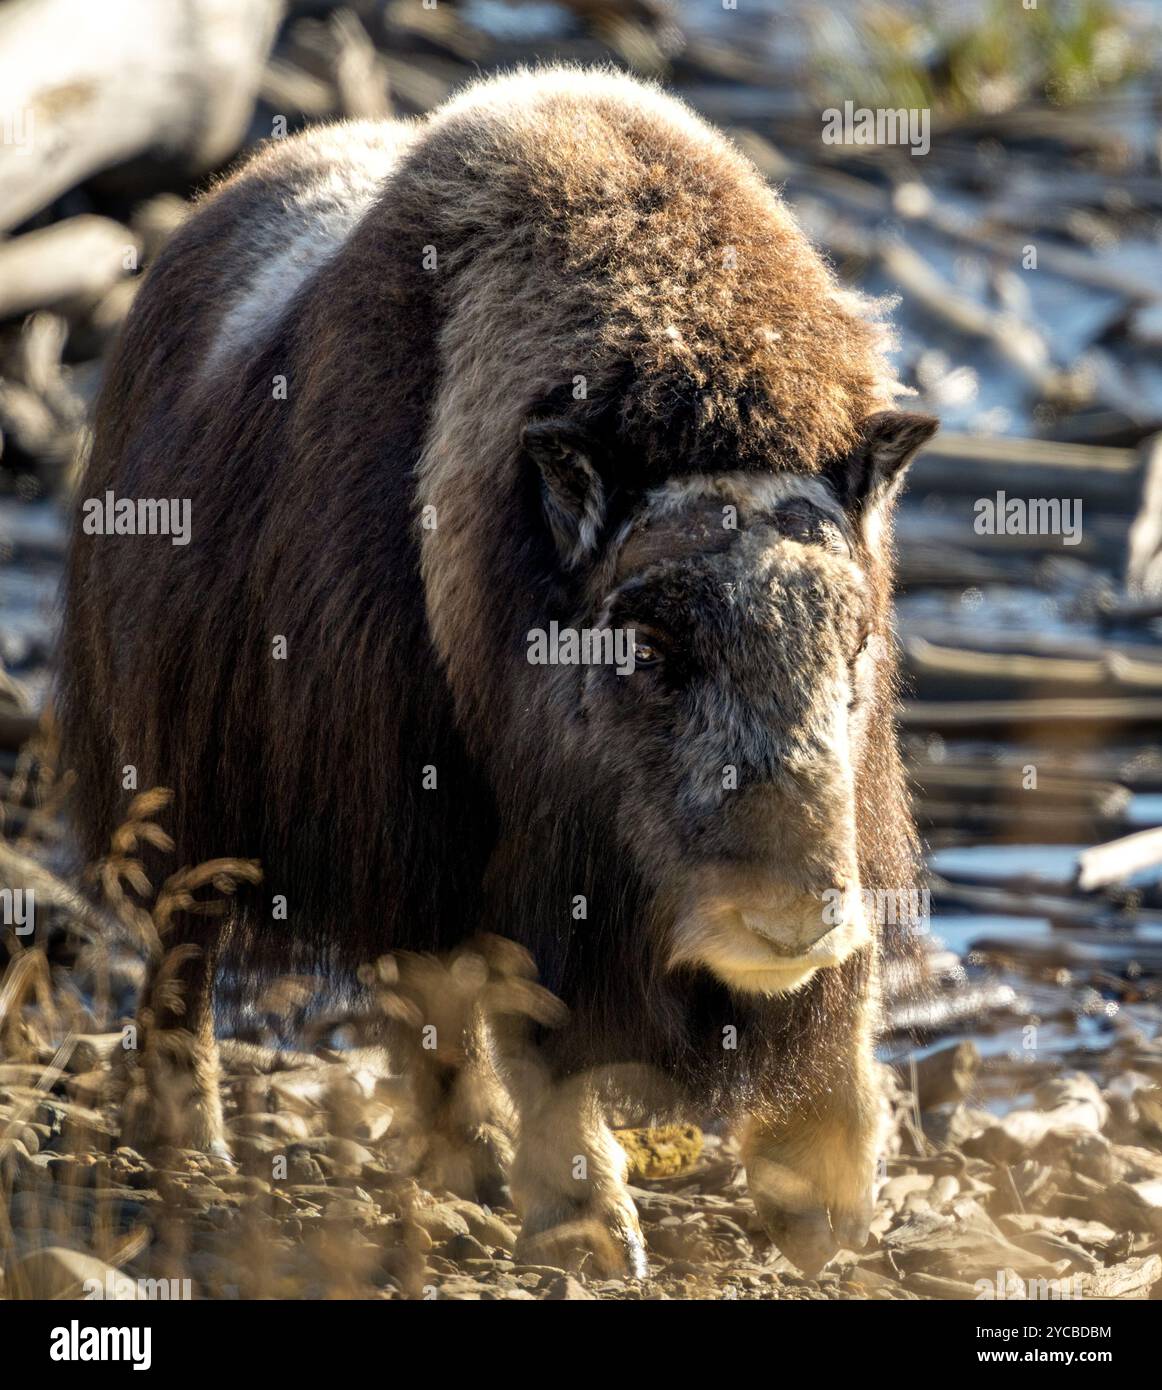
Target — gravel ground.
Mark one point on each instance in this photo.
(1062, 1198)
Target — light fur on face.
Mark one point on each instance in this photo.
(757, 492)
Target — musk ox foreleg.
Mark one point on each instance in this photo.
(811, 1170)
(568, 1182)
(180, 1102)
(470, 1117)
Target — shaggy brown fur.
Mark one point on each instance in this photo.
(385, 520)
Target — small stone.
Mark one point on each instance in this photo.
(466, 1247)
(566, 1287)
(441, 1222)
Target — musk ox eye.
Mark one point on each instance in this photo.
(799, 520)
(833, 538)
(645, 654)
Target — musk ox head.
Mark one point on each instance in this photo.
(754, 605)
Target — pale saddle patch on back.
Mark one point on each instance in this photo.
(333, 177)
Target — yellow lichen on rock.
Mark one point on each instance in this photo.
(660, 1152)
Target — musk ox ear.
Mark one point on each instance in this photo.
(868, 479)
(572, 493)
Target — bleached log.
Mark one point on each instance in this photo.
(84, 87)
(1070, 718)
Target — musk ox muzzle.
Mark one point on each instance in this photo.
(761, 934)
(767, 923)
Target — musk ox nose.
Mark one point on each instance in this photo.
(777, 896)
(778, 915)
(791, 938)
(794, 922)
(761, 934)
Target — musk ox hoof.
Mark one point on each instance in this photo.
(810, 1238)
(853, 1227)
(805, 1238)
(490, 1156)
(608, 1244)
(150, 1137)
(219, 1149)
(152, 1121)
(472, 1164)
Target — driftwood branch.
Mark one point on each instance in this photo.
(75, 261)
(1101, 477)
(1144, 567)
(1116, 862)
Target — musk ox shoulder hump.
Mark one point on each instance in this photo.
(592, 226)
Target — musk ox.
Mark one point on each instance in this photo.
(555, 360)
